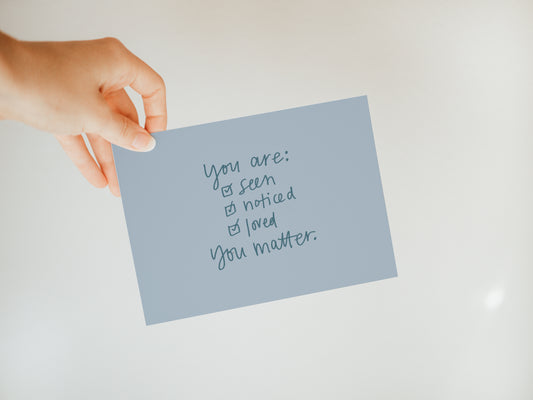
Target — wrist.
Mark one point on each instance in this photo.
(10, 50)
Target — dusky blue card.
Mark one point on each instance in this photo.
(254, 209)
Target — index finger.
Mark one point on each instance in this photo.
(151, 87)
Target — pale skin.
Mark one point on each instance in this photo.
(75, 88)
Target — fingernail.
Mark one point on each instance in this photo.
(143, 142)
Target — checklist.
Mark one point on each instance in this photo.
(256, 209)
(230, 209)
(226, 191)
(234, 229)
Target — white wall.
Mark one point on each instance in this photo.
(450, 87)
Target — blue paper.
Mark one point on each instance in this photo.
(254, 209)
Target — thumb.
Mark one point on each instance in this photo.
(122, 131)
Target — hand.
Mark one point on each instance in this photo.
(70, 88)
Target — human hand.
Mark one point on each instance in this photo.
(70, 88)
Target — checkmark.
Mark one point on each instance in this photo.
(227, 190)
(230, 209)
(234, 229)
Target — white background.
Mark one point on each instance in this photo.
(450, 87)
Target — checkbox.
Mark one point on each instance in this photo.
(227, 190)
(234, 229)
(230, 209)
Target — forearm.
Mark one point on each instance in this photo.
(9, 56)
(33, 83)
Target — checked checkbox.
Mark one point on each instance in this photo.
(234, 229)
(230, 209)
(227, 190)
